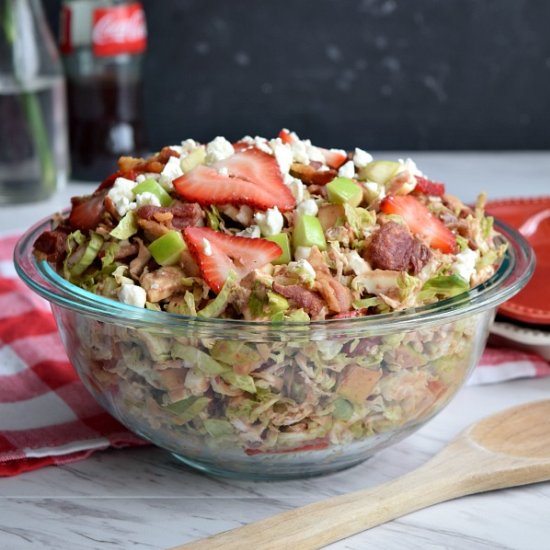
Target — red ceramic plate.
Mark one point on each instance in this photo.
(531, 216)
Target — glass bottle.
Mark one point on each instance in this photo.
(33, 127)
(102, 43)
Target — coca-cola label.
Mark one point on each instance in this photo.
(119, 29)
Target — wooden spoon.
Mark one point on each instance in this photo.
(503, 450)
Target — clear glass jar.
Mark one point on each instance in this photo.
(33, 133)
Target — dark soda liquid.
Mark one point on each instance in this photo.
(105, 122)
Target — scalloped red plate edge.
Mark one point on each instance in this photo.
(515, 212)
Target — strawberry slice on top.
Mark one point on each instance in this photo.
(217, 254)
(249, 176)
(420, 221)
(429, 187)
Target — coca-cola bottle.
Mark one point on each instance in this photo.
(102, 42)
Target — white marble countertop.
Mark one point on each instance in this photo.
(142, 499)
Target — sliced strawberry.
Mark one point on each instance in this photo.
(228, 253)
(86, 212)
(334, 157)
(429, 187)
(420, 221)
(254, 178)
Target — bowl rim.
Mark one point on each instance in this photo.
(515, 270)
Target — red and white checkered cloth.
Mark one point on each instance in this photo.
(46, 414)
(48, 417)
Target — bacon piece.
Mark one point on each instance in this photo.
(336, 295)
(153, 229)
(183, 214)
(393, 248)
(86, 212)
(304, 298)
(152, 164)
(311, 175)
(51, 245)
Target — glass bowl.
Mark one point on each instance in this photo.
(260, 400)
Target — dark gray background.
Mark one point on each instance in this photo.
(382, 74)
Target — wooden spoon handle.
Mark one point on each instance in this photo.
(322, 523)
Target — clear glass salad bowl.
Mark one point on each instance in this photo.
(263, 400)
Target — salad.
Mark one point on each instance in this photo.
(272, 230)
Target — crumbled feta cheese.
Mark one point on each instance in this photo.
(361, 158)
(122, 195)
(410, 166)
(147, 198)
(170, 172)
(308, 207)
(252, 232)
(303, 268)
(132, 295)
(188, 145)
(347, 170)
(271, 222)
(297, 188)
(141, 178)
(302, 252)
(283, 154)
(172, 168)
(465, 263)
(263, 145)
(206, 247)
(357, 264)
(299, 151)
(218, 149)
(314, 153)
(223, 171)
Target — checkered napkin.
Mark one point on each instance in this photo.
(48, 417)
(46, 414)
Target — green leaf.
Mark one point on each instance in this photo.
(242, 381)
(90, 254)
(188, 408)
(220, 302)
(218, 428)
(195, 358)
(443, 286)
(126, 227)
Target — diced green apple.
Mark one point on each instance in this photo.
(166, 250)
(379, 171)
(344, 191)
(151, 186)
(193, 159)
(282, 240)
(309, 232)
